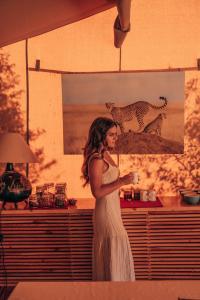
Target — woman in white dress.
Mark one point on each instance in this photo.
(112, 258)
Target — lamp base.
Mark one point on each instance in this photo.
(14, 187)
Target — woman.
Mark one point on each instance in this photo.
(112, 257)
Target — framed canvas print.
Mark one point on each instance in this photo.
(147, 106)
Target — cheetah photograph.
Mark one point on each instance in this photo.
(148, 108)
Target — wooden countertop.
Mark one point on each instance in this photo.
(143, 289)
(170, 203)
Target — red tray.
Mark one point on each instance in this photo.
(139, 203)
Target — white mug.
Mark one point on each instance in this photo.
(135, 177)
(144, 195)
(152, 195)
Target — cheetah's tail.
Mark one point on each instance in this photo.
(162, 106)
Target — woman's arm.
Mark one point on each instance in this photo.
(100, 190)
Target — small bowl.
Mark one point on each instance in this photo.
(183, 192)
(196, 191)
(191, 198)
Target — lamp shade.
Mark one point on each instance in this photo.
(14, 149)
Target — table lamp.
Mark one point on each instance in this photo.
(14, 187)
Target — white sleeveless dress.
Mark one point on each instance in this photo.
(112, 257)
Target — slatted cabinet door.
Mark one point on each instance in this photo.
(36, 246)
(80, 232)
(174, 244)
(136, 226)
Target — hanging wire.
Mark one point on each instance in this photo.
(27, 101)
(120, 59)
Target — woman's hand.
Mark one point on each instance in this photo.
(127, 179)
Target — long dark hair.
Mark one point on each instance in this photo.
(96, 137)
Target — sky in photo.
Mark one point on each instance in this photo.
(98, 88)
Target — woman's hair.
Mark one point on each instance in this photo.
(96, 137)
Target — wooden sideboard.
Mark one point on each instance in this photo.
(56, 245)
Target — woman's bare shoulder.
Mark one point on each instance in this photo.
(97, 164)
(95, 157)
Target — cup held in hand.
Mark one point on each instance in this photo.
(135, 177)
(152, 195)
